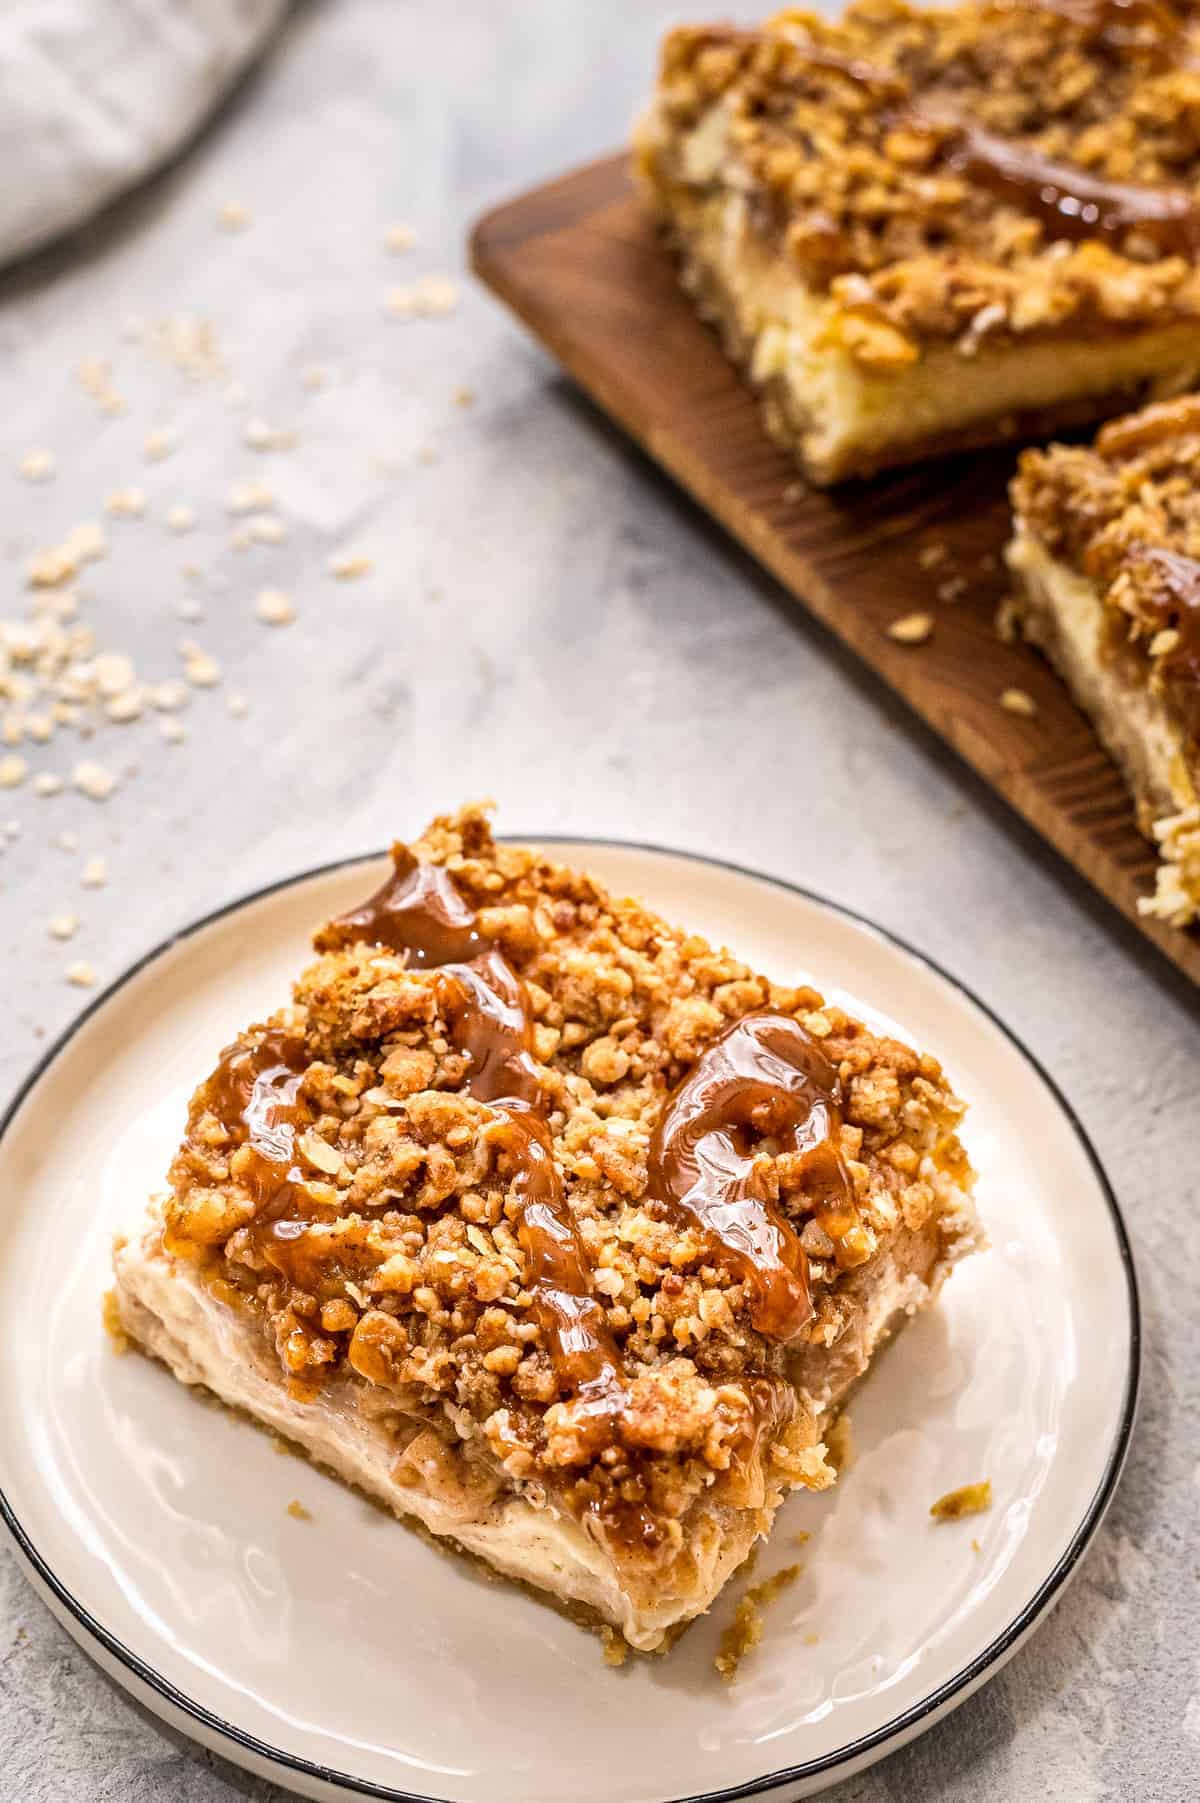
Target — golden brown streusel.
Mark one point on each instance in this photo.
(408, 1280)
(844, 136)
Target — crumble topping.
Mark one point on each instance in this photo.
(405, 1273)
(1125, 512)
(992, 171)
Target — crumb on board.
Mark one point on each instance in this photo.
(110, 1314)
(746, 1629)
(970, 1499)
(911, 629)
(1018, 701)
(297, 1510)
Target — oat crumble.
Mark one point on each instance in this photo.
(404, 1282)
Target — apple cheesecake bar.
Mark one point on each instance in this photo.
(1106, 555)
(551, 1226)
(924, 229)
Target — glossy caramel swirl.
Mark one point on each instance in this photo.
(254, 1093)
(1070, 202)
(765, 1078)
(419, 913)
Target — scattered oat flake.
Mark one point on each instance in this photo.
(1016, 701)
(62, 926)
(180, 518)
(93, 780)
(188, 343)
(795, 491)
(274, 607)
(172, 730)
(428, 298)
(971, 1499)
(237, 706)
(127, 706)
(66, 841)
(953, 589)
(246, 497)
(13, 771)
(203, 672)
(265, 529)
(400, 238)
(348, 565)
(80, 974)
(51, 568)
(297, 1510)
(94, 874)
(1008, 619)
(114, 672)
(464, 397)
(94, 376)
(37, 466)
(167, 696)
(911, 629)
(126, 503)
(190, 610)
(263, 437)
(158, 445)
(47, 783)
(233, 217)
(314, 377)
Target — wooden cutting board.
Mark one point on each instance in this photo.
(579, 262)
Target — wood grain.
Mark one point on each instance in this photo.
(580, 263)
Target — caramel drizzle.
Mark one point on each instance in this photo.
(1070, 202)
(765, 1076)
(420, 914)
(254, 1093)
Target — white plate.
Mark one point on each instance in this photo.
(344, 1655)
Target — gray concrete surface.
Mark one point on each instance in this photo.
(548, 622)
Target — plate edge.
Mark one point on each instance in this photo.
(857, 1754)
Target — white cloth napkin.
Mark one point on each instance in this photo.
(94, 94)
